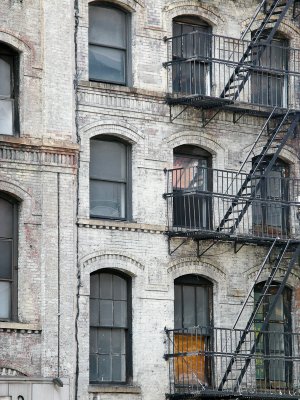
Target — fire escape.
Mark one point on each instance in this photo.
(212, 204)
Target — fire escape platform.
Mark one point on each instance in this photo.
(202, 102)
(216, 394)
(201, 235)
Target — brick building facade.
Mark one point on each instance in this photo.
(112, 250)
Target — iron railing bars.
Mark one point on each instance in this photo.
(270, 310)
(255, 281)
(253, 314)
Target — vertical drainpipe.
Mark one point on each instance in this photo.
(75, 83)
(58, 274)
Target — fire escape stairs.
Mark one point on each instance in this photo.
(262, 37)
(278, 137)
(287, 256)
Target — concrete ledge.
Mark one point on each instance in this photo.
(120, 225)
(114, 389)
(18, 326)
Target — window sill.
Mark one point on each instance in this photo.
(121, 88)
(120, 225)
(114, 389)
(18, 326)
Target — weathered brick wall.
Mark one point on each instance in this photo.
(140, 116)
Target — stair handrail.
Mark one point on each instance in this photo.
(255, 281)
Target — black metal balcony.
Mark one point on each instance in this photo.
(200, 65)
(198, 359)
(198, 199)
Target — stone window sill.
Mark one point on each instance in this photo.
(120, 225)
(114, 389)
(18, 326)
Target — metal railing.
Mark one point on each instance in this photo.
(199, 356)
(199, 197)
(201, 64)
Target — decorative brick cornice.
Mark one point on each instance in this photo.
(62, 155)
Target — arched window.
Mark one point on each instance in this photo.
(108, 44)
(110, 170)
(191, 47)
(271, 213)
(191, 171)
(192, 308)
(110, 327)
(8, 257)
(8, 90)
(277, 344)
(269, 84)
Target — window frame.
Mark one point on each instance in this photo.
(14, 264)
(6, 52)
(192, 21)
(285, 321)
(127, 66)
(267, 76)
(128, 181)
(128, 329)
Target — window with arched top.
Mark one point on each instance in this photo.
(193, 318)
(110, 327)
(9, 88)
(8, 257)
(191, 176)
(271, 211)
(275, 368)
(191, 48)
(110, 178)
(269, 81)
(108, 43)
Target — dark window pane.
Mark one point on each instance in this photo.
(106, 286)
(93, 341)
(6, 218)
(106, 313)
(202, 312)
(5, 81)
(104, 366)
(107, 64)
(6, 117)
(107, 26)
(188, 306)
(5, 259)
(118, 341)
(178, 306)
(119, 288)
(94, 289)
(93, 367)
(94, 312)
(108, 160)
(5, 296)
(107, 199)
(120, 313)
(118, 368)
(104, 341)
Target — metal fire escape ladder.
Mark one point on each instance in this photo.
(261, 39)
(250, 186)
(242, 371)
